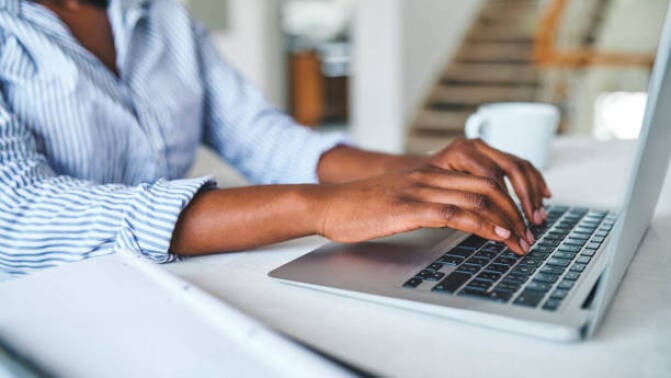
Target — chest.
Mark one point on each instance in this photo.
(139, 126)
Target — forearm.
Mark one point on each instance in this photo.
(343, 164)
(244, 218)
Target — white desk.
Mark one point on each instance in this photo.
(634, 341)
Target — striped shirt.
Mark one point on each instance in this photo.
(91, 162)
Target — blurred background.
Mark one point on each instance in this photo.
(403, 75)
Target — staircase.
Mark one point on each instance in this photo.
(493, 64)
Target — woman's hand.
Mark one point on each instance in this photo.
(428, 196)
(476, 157)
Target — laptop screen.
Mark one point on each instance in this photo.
(647, 175)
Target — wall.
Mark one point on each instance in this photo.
(251, 41)
(400, 46)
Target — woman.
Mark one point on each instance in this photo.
(103, 106)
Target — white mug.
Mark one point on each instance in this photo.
(524, 129)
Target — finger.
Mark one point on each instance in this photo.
(515, 170)
(479, 164)
(478, 203)
(469, 183)
(537, 192)
(441, 215)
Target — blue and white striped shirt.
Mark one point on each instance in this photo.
(91, 162)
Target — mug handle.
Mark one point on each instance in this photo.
(473, 125)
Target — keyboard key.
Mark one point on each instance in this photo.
(451, 260)
(577, 267)
(523, 269)
(532, 261)
(588, 252)
(565, 284)
(435, 266)
(497, 268)
(473, 242)
(413, 282)
(551, 304)
(572, 276)
(545, 277)
(459, 252)
(559, 294)
(574, 243)
(552, 269)
(491, 276)
(538, 286)
(505, 261)
(598, 239)
(425, 274)
(569, 248)
(500, 295)
(494, 247)
(469, 268)
(452, 282)
(558, 262)
(520, 277)
(471, 292)
(564, 255)
(479, 261)
(486, 254)
(593, 245)
(436, 276)
(509, 285)
(529, 298)
(583, 259)
(477, 284)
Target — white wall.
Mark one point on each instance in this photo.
(252, 43)
(433, 30)
(376, 93)
(400, 47)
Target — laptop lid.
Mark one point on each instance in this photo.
(647, 177)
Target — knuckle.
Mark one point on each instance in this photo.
(491, 184)
(519, 165)
(418, 175)
(479, 201)
(448, 211)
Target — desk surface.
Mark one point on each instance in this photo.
(635, 338)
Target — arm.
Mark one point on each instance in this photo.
(47, 219)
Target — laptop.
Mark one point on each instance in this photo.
(560, 290)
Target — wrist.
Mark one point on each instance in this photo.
(314, 203)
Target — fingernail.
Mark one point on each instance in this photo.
(502, 232)
(530, 237)
(544, 213)
(524, 245)
(537, 217)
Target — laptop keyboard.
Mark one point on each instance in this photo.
(565, 246)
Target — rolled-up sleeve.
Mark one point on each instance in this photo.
(262, 142)
(48, 219)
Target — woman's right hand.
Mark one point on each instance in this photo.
(425, 197)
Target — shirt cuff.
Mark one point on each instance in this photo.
(153, 214)
(305, 169)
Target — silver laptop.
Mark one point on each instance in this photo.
(560, 290)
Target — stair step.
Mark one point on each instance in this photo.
(468, 95)
(492, 73)
(499, 34)
(495, 52)
(430, 120)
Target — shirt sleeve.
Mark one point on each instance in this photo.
(48, 219)
(262, 142)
